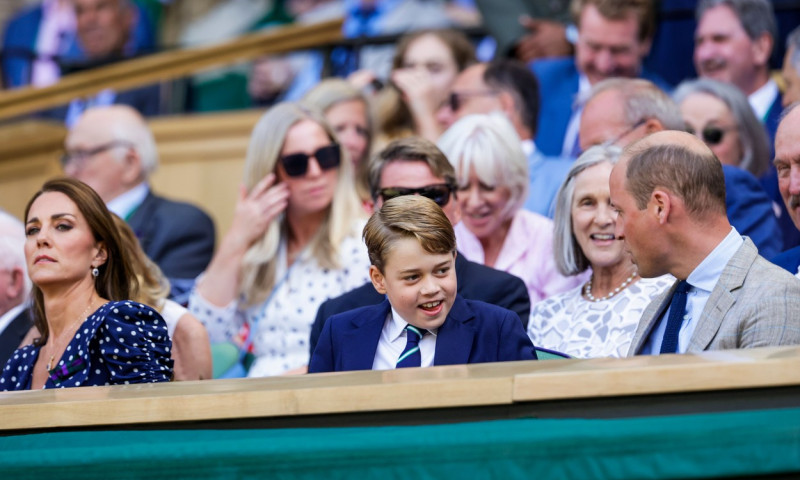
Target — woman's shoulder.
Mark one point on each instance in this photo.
(127, 317)
(126, 310)
(17, 370)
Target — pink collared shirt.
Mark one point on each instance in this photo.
(57, 26)
(527, 253)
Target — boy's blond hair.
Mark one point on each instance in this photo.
(409, 216)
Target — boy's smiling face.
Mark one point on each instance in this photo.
(421, 286)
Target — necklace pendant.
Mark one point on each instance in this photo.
(50, 363)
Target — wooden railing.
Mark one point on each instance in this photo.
(201, 159)
(167, 66)
(642, 386)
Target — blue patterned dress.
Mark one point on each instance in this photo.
(121, 342)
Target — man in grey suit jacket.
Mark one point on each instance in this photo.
(669, 191)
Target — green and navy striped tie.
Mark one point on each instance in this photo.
(411, 356)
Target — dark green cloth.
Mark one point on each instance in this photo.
(690, 446)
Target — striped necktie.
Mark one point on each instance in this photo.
(411, 356)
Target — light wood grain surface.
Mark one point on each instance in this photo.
(494, 384)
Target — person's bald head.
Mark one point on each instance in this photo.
(680, 163)
(111, 149)
(623, 110)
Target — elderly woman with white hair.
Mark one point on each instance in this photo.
(492, 176)
(598, 318)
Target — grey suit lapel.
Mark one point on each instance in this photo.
(649, 319)
(722, 298)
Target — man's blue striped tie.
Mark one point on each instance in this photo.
(411, 356)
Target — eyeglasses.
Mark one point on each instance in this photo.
(615, 140)
(711, 135)
(456, 99)
(80, 156)
(296, 164)
(439, 193)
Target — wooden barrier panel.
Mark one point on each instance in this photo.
(434, 395)
(159, 67)
(201, 160)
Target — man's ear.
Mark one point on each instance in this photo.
(16, 287)
(377, 279)
(653, 125)
(660, 205)
(507, 104)
(762, 49)
(133, 173)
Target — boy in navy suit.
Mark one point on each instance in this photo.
(423, 322)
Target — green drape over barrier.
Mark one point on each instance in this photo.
(687, 446)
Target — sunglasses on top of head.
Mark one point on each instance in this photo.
(439, 193)
(711, 135)
(296, 164)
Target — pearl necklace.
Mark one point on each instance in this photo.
(591, 298)
(80, 319)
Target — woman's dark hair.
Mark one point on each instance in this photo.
(116, 280)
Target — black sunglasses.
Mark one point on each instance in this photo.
(439, 193)
(711, 135)
(456, 99)
(296, 164)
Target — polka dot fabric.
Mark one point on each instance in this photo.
(283, 325)
(120, 343)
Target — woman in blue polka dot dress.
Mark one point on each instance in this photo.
(90, 333)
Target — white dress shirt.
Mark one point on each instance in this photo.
(762, 99)
(393, 341)
(701, 282)
(124, 205)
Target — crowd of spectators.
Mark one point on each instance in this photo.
(620, 192)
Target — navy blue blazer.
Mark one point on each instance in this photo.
(474, 332)
(475, 282)
(789, 260)
(750, 211)
(558, 87)
(177, 236)
(12, 335)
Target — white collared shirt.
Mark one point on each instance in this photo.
(701, 281)
(762, 99)
(125, 204)
(393, 341)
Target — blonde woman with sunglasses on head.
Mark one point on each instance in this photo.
(294, 242)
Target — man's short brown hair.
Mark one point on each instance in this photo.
(697, 178)
(617, 10)
(409, 149)
(408, 216)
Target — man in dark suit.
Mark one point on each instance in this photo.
(416, 164)
(613, 39)
(623, 110)
(787, 163)
(14, 286)
(114, 152)
(733, 44)
(422, 322)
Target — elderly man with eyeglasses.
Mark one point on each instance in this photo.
(415, 166)
(112, 150)
(620, 111)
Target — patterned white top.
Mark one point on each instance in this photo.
(283, 322)
(571, 324)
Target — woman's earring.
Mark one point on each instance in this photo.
(95, 272)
